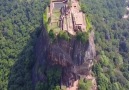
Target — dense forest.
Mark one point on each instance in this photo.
(112, 43)
(21, 23)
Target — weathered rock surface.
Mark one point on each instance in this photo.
(73, 57)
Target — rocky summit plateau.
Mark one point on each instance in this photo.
(72, 59)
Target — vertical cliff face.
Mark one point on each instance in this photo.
(73, 57)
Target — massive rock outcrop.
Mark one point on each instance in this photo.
(73, 57)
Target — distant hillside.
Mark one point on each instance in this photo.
(112, 43)
(21, 24)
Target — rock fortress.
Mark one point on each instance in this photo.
(66, 15)
(73, 58)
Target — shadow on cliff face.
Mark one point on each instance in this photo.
(45, 76)
(61, 62)
(34, 69)
(23, 74)
(20, 77)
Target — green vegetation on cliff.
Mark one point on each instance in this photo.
(45, 19)
(84, 84)
(82, 36)
(88, 24)
(63, 35)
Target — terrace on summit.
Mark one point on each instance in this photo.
(66, 15)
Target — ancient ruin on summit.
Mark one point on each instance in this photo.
(66, 15)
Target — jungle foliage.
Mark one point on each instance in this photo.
(21, 23)
(112, 42)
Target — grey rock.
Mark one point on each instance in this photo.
(74, 57)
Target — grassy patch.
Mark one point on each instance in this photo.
(56, 15)
(45, 19)
(55, 20)
(88, 23)
(84, 84)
